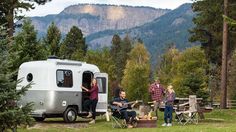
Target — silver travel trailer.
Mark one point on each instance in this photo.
(56, 89)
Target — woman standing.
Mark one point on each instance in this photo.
(169, 102)
(93, 99)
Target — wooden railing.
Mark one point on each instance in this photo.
(230, 104)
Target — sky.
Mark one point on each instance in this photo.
(56, 6)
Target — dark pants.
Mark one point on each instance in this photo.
(127, 114)
(168, 113)
(91, 104)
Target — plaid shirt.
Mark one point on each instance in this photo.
(157, 92)
(170, 98)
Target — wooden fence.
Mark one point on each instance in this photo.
(231, 104)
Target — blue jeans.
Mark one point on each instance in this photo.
(168, 113)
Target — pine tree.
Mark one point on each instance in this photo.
(26, 47)
(52, 39)
(126, 46)
(232, 78)
(9, 11)
(208, 27)
(208, 31)
(116, 46)
(136, 74)
(165, 70)
(115, 52)
(73, 46)
(11, 115)
(102, 58)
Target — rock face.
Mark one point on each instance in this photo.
(92, 18)
(170, 28)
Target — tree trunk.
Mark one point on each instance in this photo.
(10, 19)
(223, 102)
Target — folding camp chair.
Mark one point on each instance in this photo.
(187, 112)
(118, 121)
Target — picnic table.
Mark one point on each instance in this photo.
(201, 109)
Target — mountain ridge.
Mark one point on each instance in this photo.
(170, 28)
(91, 18)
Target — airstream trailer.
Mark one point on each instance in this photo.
(56, 89)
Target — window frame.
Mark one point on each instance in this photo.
(105, 89)
(63, 78)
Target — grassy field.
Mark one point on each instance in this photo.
(215, 121)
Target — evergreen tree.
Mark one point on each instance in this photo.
(119, 53)
(26, 47)
(209, 26)
(116, 46)
(73, 46)
(115, 52)
(52, 39)
(232, 78)
(102, 58)
(165, 70)
(136, 74)
(11, 115)
(9, 11)
(126, 46)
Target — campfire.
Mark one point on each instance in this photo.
(145, 113)
(145, 118)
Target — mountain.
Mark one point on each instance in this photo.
(92, 18)
(171, 27)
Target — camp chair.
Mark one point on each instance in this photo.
(187, 112)
(118, 121)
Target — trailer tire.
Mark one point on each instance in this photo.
(39, 119)
(70, 115)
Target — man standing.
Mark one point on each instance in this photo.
(157, 93)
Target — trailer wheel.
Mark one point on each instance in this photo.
(39, 119)
(70, 115)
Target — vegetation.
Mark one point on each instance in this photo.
(52, 39)
(73, 46)
(102, 58)
(208, 31)
(11, 115)
(186, 71)
(193, 70)
(26, 47)
(136, 74)
(9, 12)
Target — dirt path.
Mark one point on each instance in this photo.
(59, 124)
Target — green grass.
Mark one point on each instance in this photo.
(215, 121)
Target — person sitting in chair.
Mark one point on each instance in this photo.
(122, 105)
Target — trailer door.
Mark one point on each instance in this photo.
(102, 81)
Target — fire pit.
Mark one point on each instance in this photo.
(147, 123)
(145, 118)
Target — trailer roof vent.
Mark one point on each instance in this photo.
(53, 57)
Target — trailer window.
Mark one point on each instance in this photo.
(64, 78)
(29, 77)
(101, 81)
